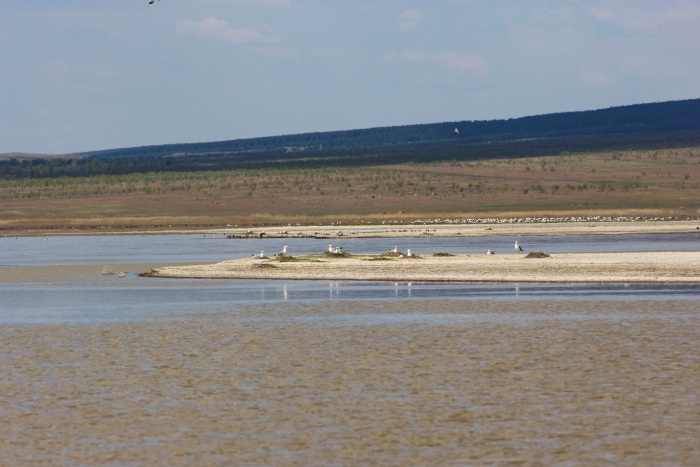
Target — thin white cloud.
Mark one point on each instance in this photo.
(409, 19)
(219, 30)
(453, 61)
(257, 3)
(631, 20)
(636, 17)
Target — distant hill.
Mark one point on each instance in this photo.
(664, 124)
(655, 117)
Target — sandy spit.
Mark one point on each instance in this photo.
(455, 229)
(649, 267)
(485, 229)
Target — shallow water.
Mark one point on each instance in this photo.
(120, 249)
(61, 280)
(100, 369)
(106, 299)
(413, 382)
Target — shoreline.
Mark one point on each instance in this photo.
(491, 227)
(638, 267)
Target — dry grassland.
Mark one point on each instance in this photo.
(653, 183)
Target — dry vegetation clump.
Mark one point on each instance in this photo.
(340, 254)
(537, 254)
(442, 253)
(264, 266)
(294, 259)
(393, 254)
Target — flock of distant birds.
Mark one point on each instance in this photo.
(338, 250)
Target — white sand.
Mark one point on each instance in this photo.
(471, 230)
(573, 267)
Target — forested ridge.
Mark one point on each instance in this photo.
(655, 125)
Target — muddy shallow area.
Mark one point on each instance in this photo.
(361, 382)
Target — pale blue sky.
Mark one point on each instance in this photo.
(79, 75)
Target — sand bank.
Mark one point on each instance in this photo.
(457, 229)
(493, 227)
(682, 267)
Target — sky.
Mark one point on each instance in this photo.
(82, 75)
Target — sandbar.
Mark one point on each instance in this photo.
(461, 228)
(637, 267)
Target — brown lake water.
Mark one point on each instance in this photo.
(411, 382)
(106, 370)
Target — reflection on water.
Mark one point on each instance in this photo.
(112, 299)
(69, 287)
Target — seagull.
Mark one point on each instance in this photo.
(457, 131)
(283, 252)
(408, 252)
(518, 248)
(262, 255)
(489, 252)
(395, 250)
(330, 248)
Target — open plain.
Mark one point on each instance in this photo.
(651, 184)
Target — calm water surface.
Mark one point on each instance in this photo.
(86, 296)
(120, 249)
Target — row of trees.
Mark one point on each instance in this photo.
(644, 126)
(656, 117)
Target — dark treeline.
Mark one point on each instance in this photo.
(642, 126)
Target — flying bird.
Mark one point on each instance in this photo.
(456, 131)
(150, 2)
